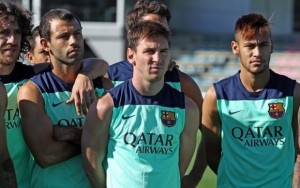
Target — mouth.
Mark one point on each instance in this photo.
(257, 61)
(156, 66)
(10, 51)
(74, 52)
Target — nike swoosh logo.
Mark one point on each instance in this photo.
(126, 117)
(234, 112)
(56, 104)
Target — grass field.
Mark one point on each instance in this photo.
(209, 179)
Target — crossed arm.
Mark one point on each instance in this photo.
(44, 147)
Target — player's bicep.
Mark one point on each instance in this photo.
(34, 117)
(210, 115)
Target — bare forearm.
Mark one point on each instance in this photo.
(199, 164)
(69, 133)
(8, 176)
(296, 175)
(56, 152)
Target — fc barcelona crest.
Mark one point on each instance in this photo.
(276, 110)
(168, 118)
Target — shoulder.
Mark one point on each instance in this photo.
(119, 65)
(24, 69)
(188, 84)
(211, 93)
(187, 80)
(105, 104)
(41, 67)
(123, 63)
(190, 88)
(120, 71)
(27, 91)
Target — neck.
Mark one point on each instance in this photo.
(67, 73)
(255, 82)
(147, 88)
(6, 69)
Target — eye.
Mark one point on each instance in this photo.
(18, 32)
(149, 51)
(165, 51)
(64, 37)
(250, 46)
(4, 33)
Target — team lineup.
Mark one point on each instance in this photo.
(67, 121)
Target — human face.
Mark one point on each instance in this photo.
(254, 53)
(150, 59)
(10, 40)
(66, 42)
(156, 18)
(38, 54)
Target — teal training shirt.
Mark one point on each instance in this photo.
(144, 138)
(69, 173)
(257, 135)
(20, 154)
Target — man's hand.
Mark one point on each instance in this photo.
(172, 65)
(83, 93)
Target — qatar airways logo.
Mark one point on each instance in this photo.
(150, 143)
(259, 136)
(12, 118)
(75, 122)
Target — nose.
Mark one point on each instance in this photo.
(72, 39)
(256, 51)
(11, 39)
(156, 56)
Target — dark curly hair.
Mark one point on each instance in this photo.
(23, 18)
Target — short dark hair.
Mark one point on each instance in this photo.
(250, 24)
(23, 18)
(146, 29)
(34, 35)
(58, 13)
(144, 7)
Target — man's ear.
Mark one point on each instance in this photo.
(30, 57)
(131, 56)
(235, 48)
(45, 45)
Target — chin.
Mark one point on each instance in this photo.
(260, 71)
